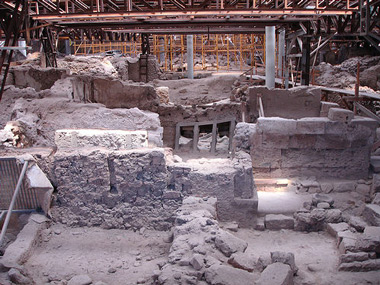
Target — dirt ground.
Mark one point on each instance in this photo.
(110, 256)
(315, 254)
(127, 257)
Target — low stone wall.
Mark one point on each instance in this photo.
(231, 182)
(42, 117)
(138, 188)
(37, 78)
(338, 146)
(114, 93)
(295, 103)
(110, 139)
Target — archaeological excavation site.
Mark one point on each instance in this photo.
(218, 142)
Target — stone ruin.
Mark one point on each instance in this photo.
(112, 166)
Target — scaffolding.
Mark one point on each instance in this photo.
(212, 52)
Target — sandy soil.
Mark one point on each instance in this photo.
(110, 256)
(315, 254)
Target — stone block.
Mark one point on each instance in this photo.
(371, 214)
(286, 258)
(369, 241)
(341, 115)
(275, 125)
(376, 199)
(243, 261)
(334, 229)
(315, 126)
(332, 141)
(364, 121)
(353, 256)
(344, 186)
(276, 274)
(270, 140)
(278, 222)
(20, 250)
(347, 244)
(336, 128)
(321, 198)
(375, 163)
(227, 275)
(360, 266)
(363, 189)
(326, 106)
(376, 183)
(109, 139)
(302, 141)
(357, 223)
(229, 244)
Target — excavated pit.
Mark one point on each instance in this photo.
(156, 185)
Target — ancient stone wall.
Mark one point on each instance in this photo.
(143, 188)
(42, 117)
(230, 181)
(114, 93)
(294, 103)
(120, 189)
(171, 115)
(37, 78)
(338, 146)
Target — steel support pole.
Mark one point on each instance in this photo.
(270, 56)
(190, 61)
(281, 53)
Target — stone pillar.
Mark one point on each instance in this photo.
(270, 56)
(190, 61)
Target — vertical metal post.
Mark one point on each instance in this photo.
(13, 201)
(357, 87)
(305, 61)
(270, 56)
(281, 53)
(190, 60)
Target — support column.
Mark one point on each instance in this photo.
(305, 61)
(67, 47)
(281, 53)
(190, 61)
(270, 56)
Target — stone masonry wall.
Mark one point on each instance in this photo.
(295, 103)
(138, 188)
(120, 189)
(114, 93)
(337, 146)
(37, 78)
